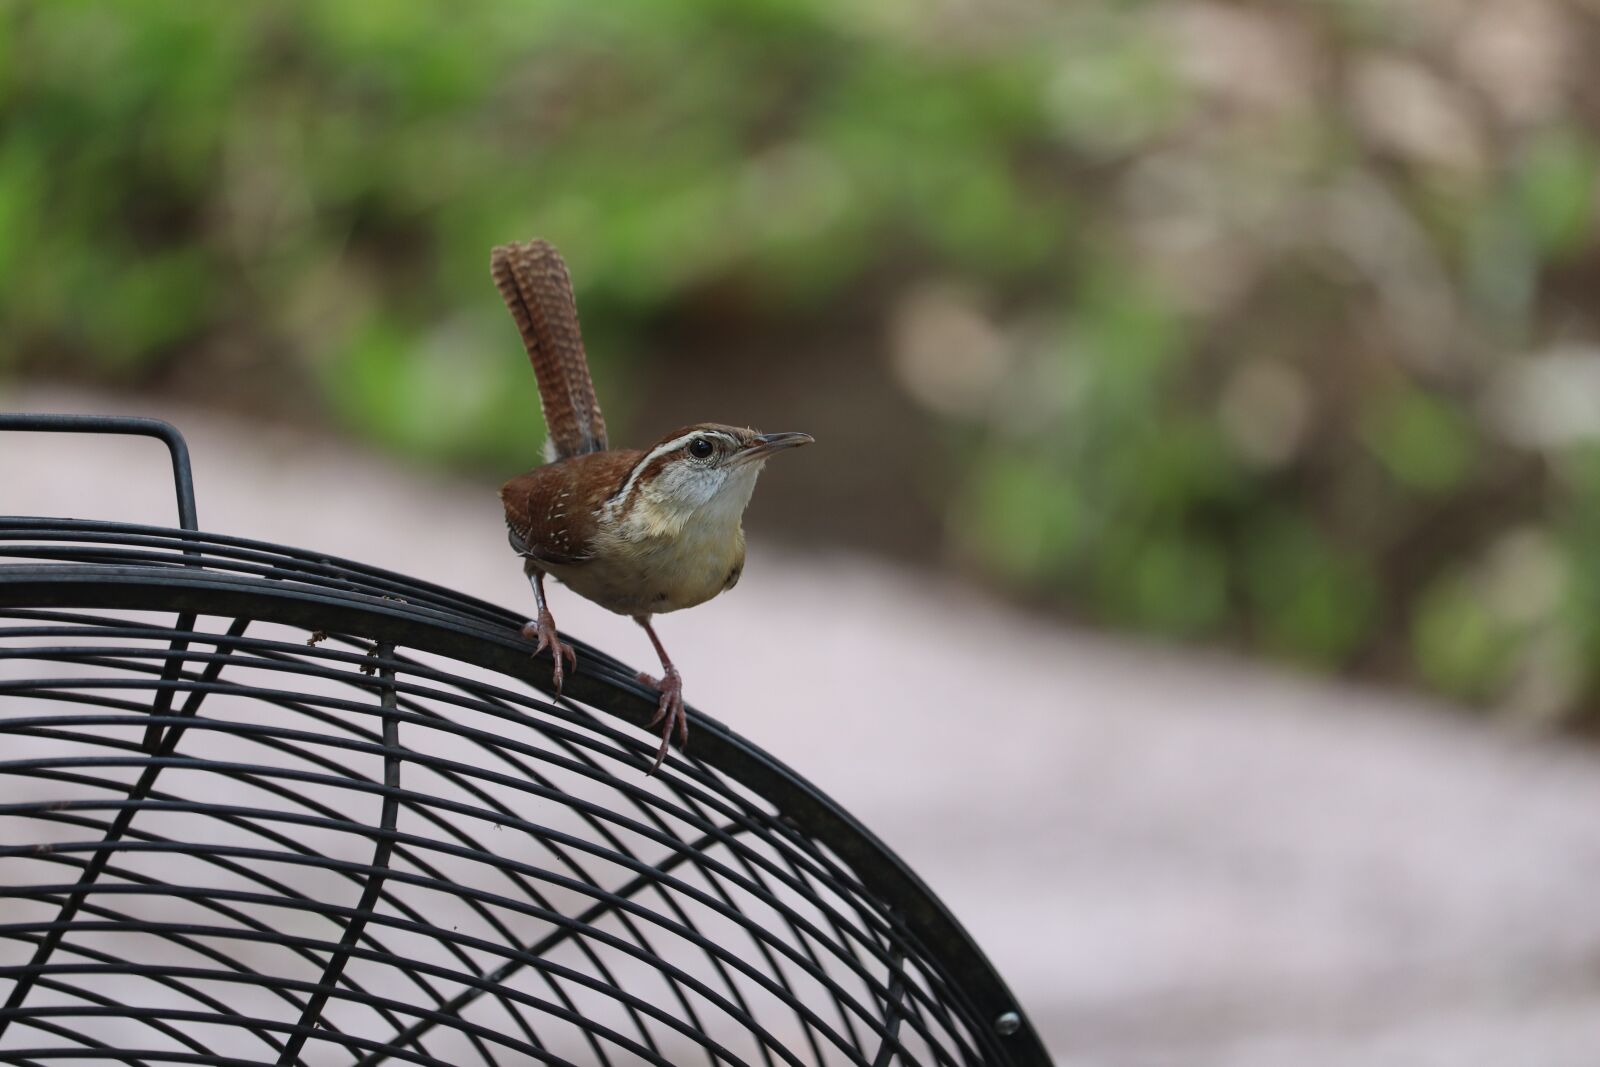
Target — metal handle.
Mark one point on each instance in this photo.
(182, 476)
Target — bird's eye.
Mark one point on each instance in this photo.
(700, 448)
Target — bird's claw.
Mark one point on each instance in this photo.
(669, 713)
(543, 629)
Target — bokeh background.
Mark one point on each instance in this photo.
(1266, 328)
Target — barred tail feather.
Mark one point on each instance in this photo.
(533, 281)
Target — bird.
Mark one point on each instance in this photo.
(639, 531)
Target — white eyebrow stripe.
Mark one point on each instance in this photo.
(661, 450)
(638, 468)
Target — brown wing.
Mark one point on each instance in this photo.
(533, 281)
(550, 510)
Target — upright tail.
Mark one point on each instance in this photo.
(533, 281)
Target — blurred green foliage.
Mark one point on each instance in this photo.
(1273, 302)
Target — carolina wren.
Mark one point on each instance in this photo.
(637, 531)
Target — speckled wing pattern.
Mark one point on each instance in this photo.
(533, 281)
(552, 511)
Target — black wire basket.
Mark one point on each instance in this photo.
(259, 805)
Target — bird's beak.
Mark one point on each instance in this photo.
(766, 444)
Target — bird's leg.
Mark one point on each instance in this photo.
(544, 628)
(669, 712)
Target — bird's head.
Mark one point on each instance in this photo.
(707, 470)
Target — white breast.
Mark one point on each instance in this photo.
(663, 557)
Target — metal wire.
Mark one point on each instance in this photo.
(388, 845)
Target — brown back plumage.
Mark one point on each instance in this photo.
(552, 512)
(533, 281)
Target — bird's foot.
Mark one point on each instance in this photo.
(543, 629)
(669, 712)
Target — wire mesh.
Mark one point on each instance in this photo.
(262, 806)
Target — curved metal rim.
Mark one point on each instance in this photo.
(469, 634)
